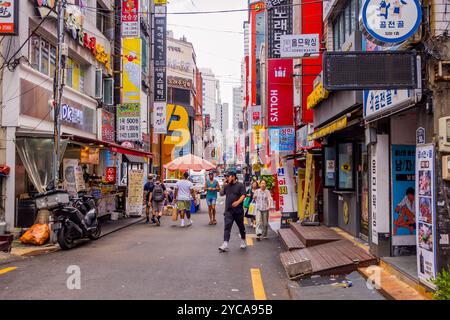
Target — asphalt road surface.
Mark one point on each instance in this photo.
(149, 262)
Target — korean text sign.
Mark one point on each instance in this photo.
(160, 54)
(281, 93)
(130, 18)
(160, 118)
(279, 23)
(9, 17)
(282, 139)
(128, 122)
(301, 45)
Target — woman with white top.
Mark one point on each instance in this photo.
(264, 202)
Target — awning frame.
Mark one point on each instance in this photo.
(113, 147)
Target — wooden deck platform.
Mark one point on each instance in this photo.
(314, 235)
(290, 240)
(336, 257)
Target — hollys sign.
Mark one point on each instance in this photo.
(390, 22)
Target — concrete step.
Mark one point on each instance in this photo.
(295, 265)
(290, 240)
(392, 287)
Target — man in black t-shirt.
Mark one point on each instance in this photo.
(234, 209)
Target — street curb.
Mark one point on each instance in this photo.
(34, 251)
(123, 227)
(25, 252)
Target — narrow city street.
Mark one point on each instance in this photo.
(149, 262)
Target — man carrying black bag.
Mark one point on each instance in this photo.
(234, 210)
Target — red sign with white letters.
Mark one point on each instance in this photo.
(110, 174)
(281, 93)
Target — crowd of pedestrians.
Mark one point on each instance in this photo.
(254, 204)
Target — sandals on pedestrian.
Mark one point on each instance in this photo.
(214, 222)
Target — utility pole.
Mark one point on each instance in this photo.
(58, 86)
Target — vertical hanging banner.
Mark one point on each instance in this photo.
(281, 93)
(130, 18)
(287, 192)
(426, 214)
(131, 70)
(9, 17)
(279, 23)
(160, 118)
(160, 55)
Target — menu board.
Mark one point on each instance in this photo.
(69, 169)
(135, 197)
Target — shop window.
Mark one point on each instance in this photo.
(144, 50)
(42, 55)
(98, 84)
(101, 17)
(345, 166)
(344, 24)
(329, 167)
(75, 75)
(108, 91)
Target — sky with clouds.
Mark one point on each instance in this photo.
(217, 38)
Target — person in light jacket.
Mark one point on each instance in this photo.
(264, 202)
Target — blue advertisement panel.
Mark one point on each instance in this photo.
(403, 196)
(282, 139)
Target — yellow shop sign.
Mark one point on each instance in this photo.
(318, 94)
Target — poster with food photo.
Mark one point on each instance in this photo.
(426, 209)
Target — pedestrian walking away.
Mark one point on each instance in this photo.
(148, 188)
(264, 202)
(211, 187)
(234, 209)
(184, 193)
(157, 198)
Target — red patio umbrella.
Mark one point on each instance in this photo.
(189, 162)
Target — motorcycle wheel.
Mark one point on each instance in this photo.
(65, 240)
(96, 234)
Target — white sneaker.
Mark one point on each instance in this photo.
(189, 223)
(223, 247)
(243, 244)
(182, 223)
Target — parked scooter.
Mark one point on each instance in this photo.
(74, 218)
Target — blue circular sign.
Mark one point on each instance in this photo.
(390, 22)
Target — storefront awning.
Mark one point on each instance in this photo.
(135, 159)
(334, 126)
(112, 146)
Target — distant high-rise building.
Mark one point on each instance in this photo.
(225, 123)
(211, 93)
(237, 106)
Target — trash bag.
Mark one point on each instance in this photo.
(38, 235)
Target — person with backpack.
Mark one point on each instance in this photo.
(148, 187)
(157, 198)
